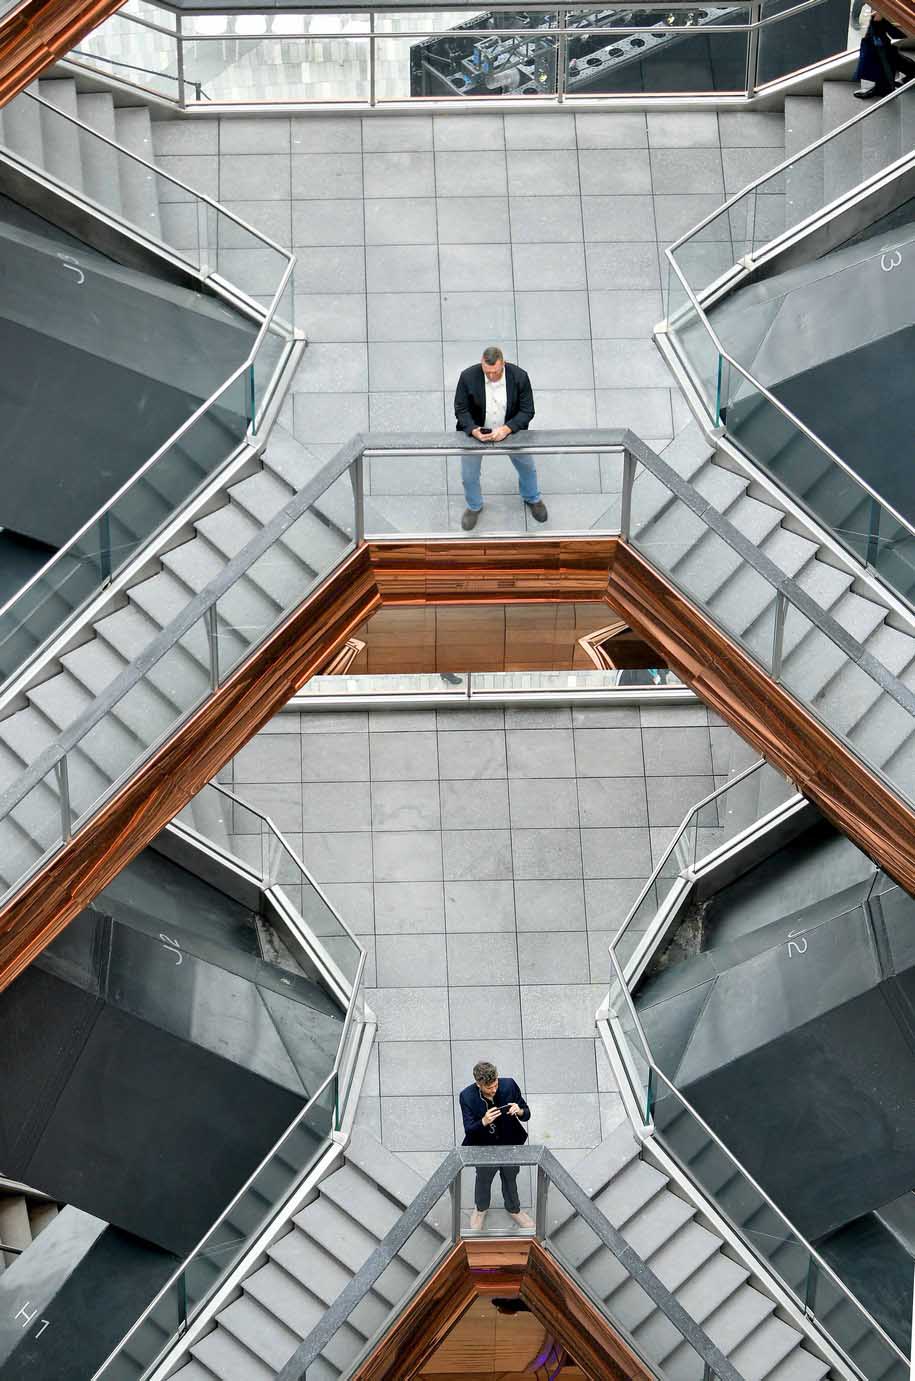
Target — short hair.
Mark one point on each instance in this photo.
(484, 1071)
(492, 354)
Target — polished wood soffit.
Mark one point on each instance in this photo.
(39, 33)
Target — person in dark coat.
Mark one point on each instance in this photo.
(879, 60)
(492, 400)
(493, 1110)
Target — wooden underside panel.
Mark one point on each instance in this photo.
(424, 1323)
(41, 32)
(460, 572)
(765, 714)
(200, 747)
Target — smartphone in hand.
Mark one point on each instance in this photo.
(485, 431)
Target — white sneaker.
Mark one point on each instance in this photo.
(477, 1219)
(523, 1219)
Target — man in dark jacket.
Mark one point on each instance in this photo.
(493, 1111)
(492, 400)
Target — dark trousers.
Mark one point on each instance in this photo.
(482, 1189)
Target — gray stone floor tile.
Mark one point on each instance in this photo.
(605, 716)
(468, 130)
(368, 1115)
(629, 364)
(606, 1080)
(399, 174)
(677, 752)
(674, 716)
(327, 223)
(254, 176)
(683, 129)
(560, 958)
(536, 803)
(268, 758)
(481, 220)
(409, 908)
(676, 214)
(612, 801)
(408, 1067)
(479, 907)
(506, 1055)
(322, 176)
(488, 266)
(626, 218)
(555, 1010)
(560, 1066)
(410, 1014)
(556, 316)
(338, 857)
(406, 756)
(355, 902)
(411, 514)
(472, 753)
(405, 806)
(646, 411)
(671, 798)
(274, 218)
(476, 855)
(188, 137)
(393, 362)
(540, 753)
(619, 852)
(542, 268)
(407, 412)
(407, 855)
(614, 172)
(326, 269)
(282, 801)
(730, 753)
(612, 1112)
(411, 316)
(392, 475)
(549, 904)
(476, 174)
(537, 717)
(546, 853)
(425, 1163)
(333, 722)
(400, 221)
(332, 369)
(686, 170)
(462, 717)
(336, 806)
(335, 757)
(401, 268)
(533, 131)
(608, 752)
(599, 954)
(751, 128)
(370, 1086)
(567, 364)
(411, 961)
(466, 316)
(572, 1118)
(396, 133)
(331, 316)
(545, 219)
(611, 130)
(482, 959)
(199, 171)
(629, 265)
(480, 1013)
(745, 165)
(533, 172)
(326, 134)
(630, 313)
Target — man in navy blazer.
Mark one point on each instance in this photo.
(493, 1110)
(494, 399)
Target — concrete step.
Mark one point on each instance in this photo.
(707, 1291)
(804, 180)
(352, 1246)
(766, 1346)
(60, 138)
(357, 1195)
(261, 1331)
(22, 126)
(881, 137)
(842, 156)
(139, 185)
(799, 1365)
(99, 162)
(229, 1360)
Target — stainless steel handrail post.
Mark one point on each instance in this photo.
(561, 54)
(358, 481)
(179, 40)
(212, 631)
(753, 48)
(62, 773)
(372, 93)
(630, 465)
(542, 1201)
(778, 634)
(455, 1192)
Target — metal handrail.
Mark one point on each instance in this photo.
(266, 322)
(332, 1078)
(135, 67)
(816, 218)
(447, 1178)
(822, 1264)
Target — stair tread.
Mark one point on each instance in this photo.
(261, 1331)
(353, 1245)
(229, 1359)
(766, 1346)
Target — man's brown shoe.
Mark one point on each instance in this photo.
(522, 1219)
(538, 510)
(469, 518)
(477, 1219)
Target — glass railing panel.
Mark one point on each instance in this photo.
(616, 1292)
(854, 1332)
(31, 829)
(272, 349)
(491, 63)
(622, 1014)
(302, 67)
(498, 1192)
(689, 332)
(325, 925)
(134, 52)
(805, 38)
(405, 1274)
(674, 55)
(740, 806)
(721, 1178)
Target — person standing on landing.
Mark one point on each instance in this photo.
(492, 400)
(493, 1111)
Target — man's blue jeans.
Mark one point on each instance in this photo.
(528, 486)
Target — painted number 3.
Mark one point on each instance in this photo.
(890, 259)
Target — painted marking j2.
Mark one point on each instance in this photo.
(172, 947)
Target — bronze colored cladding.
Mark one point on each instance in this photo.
(40, 32)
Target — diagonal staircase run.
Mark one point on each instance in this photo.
(24, 1213)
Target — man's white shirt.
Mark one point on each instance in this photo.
(496, 402)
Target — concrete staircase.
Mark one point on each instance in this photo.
(306, 1268)
(713, 1287)
(24, 1213)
